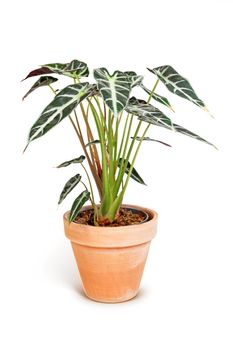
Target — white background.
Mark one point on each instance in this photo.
(185, 301)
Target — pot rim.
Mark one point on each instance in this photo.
(112, 237)
(149, 213)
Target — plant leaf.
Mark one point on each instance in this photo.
(177, 84)
(115, 89)
(78, 204)
(74, 69)
(39, 71)
(138, 138)
(94, 142)
(134, 174)
(72, 161)
(148, 113)
(152, 115)
(62, 105)
(69, 186)
(189, 133)
(157, 97)
(42, 81)
(134, 78)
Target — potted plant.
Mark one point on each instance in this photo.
(110, 240)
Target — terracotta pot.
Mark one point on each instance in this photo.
(111, 260)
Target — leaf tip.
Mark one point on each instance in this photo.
(26, 147)
(206, 110)
(172, 109)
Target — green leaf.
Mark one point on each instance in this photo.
(115, 89)
(74, 69)
(134, 78)
(134, 174)
(72, 161)
(62, 105)
(42, 81)
(177, 84)
(138, 138)
(78, 204)
(148, 113)
(152, 115)
(157, 97)
(94, 142)
(189, 133)
(69, 186)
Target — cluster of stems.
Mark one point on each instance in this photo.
(109, 159)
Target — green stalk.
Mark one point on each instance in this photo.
(93, 205)
(125, 160)
(52, 89)
(123, 138)
(119, 177)
(116, 145)
(106, 188)
(92, 192)
(118, 200)
(153, 90)
(122, 169)
(110, 150)
(100, 112)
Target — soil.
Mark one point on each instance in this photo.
(125, 217)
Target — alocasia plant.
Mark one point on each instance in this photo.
(112, 145)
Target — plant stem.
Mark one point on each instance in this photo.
(52, 89)
(92, 193)
(89, 132)
(105, 179)
(93, 170)
(121, 171)
(118, 200)
(153, 90)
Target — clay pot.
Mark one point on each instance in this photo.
(111, 260)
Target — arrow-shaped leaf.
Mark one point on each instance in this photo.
(134, 78)
(72, 161)
(74, 69)
(189, 133)
(138, 138)
(69, 186)
(115, 89)
(62, 105)
(78, 204)
(42, 81)
(177, 84)
(134, 174)
(39, 71)
(152, 115)
(148, 113)
(158, 98)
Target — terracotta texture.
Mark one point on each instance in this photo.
(111, 260)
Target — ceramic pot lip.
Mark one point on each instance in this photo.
(150, 214)
(112, 237)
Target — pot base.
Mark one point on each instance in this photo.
(118, 301)
(111, 275)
